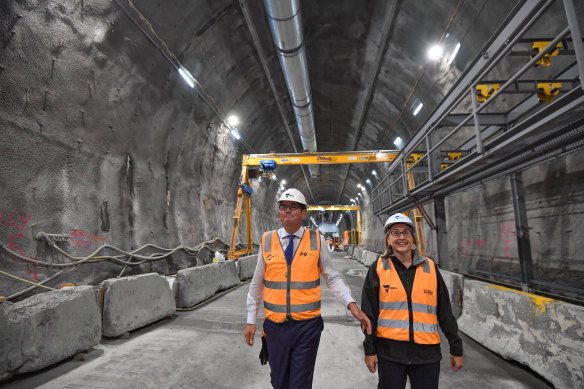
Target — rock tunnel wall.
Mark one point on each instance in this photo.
(103, 143)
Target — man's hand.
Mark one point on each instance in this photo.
(361, 316)
(249, 333)
(456, 362)
(371, 362)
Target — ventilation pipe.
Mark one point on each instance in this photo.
(286, 25)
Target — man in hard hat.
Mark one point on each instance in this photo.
(288, 271)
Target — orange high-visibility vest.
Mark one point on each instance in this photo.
(394, 316)
(291, 291)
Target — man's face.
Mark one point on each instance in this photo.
(291, 214)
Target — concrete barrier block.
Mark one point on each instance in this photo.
(546, 335)
(455, 283)
(358, 254)
(135, 301)
(246, 266)
(350, 250)
(47, 328)
(369, 257)
(197, 284)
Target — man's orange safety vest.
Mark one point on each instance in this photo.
(291, 291)
(394, 315)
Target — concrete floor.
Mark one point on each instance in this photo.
(205, 348)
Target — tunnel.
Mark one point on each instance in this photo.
(146, 144)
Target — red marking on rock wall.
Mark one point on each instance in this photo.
(82, 239)
(508, 235)
(11, 222)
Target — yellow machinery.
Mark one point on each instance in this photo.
(244, 191)
(341, 208)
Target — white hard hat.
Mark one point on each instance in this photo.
(395, 219)
(293, 195)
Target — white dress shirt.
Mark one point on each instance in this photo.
(332, 277)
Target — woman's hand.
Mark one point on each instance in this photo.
(371, 362)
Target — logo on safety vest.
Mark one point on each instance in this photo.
(387, 288)
(428, 292)
(303, 254)
(268, 257)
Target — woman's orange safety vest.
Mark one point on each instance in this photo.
(291, 291)
(394, 315)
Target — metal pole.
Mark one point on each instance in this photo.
(522, 230)
(576, 37)
(477, 123)
(429, 156)
(441, 232)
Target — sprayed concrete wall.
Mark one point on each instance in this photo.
(103, 143)
(133, 302)
(544, 334)
(47, 328)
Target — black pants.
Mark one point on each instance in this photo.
(393, 375)
(292, 349)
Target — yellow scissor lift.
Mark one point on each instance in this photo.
(244, 190)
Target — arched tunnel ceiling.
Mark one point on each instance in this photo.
(367, 63)
(364, 59)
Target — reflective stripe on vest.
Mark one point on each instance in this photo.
(394, 312)
(291, 291)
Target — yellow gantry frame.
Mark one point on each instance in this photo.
(292, 159)
(341, 208)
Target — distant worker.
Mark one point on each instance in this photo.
(406, 299)
(290, 262)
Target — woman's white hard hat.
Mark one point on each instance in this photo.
(395, 219)
(292, 195)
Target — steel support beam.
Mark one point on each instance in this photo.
(441, 232)
(522, 231)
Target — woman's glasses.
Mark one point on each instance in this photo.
(396, 234)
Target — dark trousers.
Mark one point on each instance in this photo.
(292, 348)
(393, 375)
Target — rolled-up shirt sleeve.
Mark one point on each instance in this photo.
(333, 278)
(256, 290)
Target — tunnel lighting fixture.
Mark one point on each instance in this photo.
(418, 109)
(233, 120)
(374, 173)
(187, 76)
(398, 142)
(352, 200)
(454, 52)
(368, 181)
(235, 133)
(273, 176)
(435, 52)
(283, 182)
(360, 194)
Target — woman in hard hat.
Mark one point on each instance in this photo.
(406, 299)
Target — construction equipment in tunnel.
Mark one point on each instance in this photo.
(267, 164)
(357, 208)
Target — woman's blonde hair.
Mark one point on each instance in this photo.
(389, 249)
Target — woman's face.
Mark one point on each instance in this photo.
(400, 238)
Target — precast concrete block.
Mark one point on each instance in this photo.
(454, 282)
(246, 266)
(545, 334)
(197, 284)
(135, 301)
(358, 254)
(350, 250)
(369, 257)
(47, 328)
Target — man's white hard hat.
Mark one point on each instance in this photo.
(292, 195)
(395, 219)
